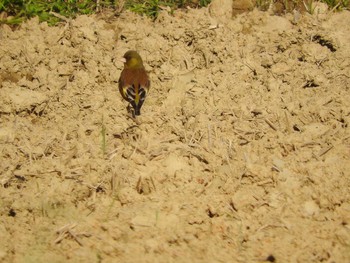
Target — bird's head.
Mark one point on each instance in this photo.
(132, 60)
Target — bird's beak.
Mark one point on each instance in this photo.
(123, 60)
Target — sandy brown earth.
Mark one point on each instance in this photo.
(241, 154)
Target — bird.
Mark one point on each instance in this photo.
(134, 82)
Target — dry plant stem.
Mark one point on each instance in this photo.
(62, 232)
(61, 35)
(59, 16)
(270, 124)
(334, 8)
(120, 6)
(72, 234)
(324, 150)
(98, 9)
(67, 231)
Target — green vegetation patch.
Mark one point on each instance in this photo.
(16, 11)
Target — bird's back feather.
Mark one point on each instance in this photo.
(133, 86)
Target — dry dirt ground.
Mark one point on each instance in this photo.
(241, 154)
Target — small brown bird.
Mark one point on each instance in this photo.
(134, 82)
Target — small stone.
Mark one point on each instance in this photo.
(311, 208)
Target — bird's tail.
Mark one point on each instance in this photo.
(137, 111)
(137, 98)
(136, 108)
